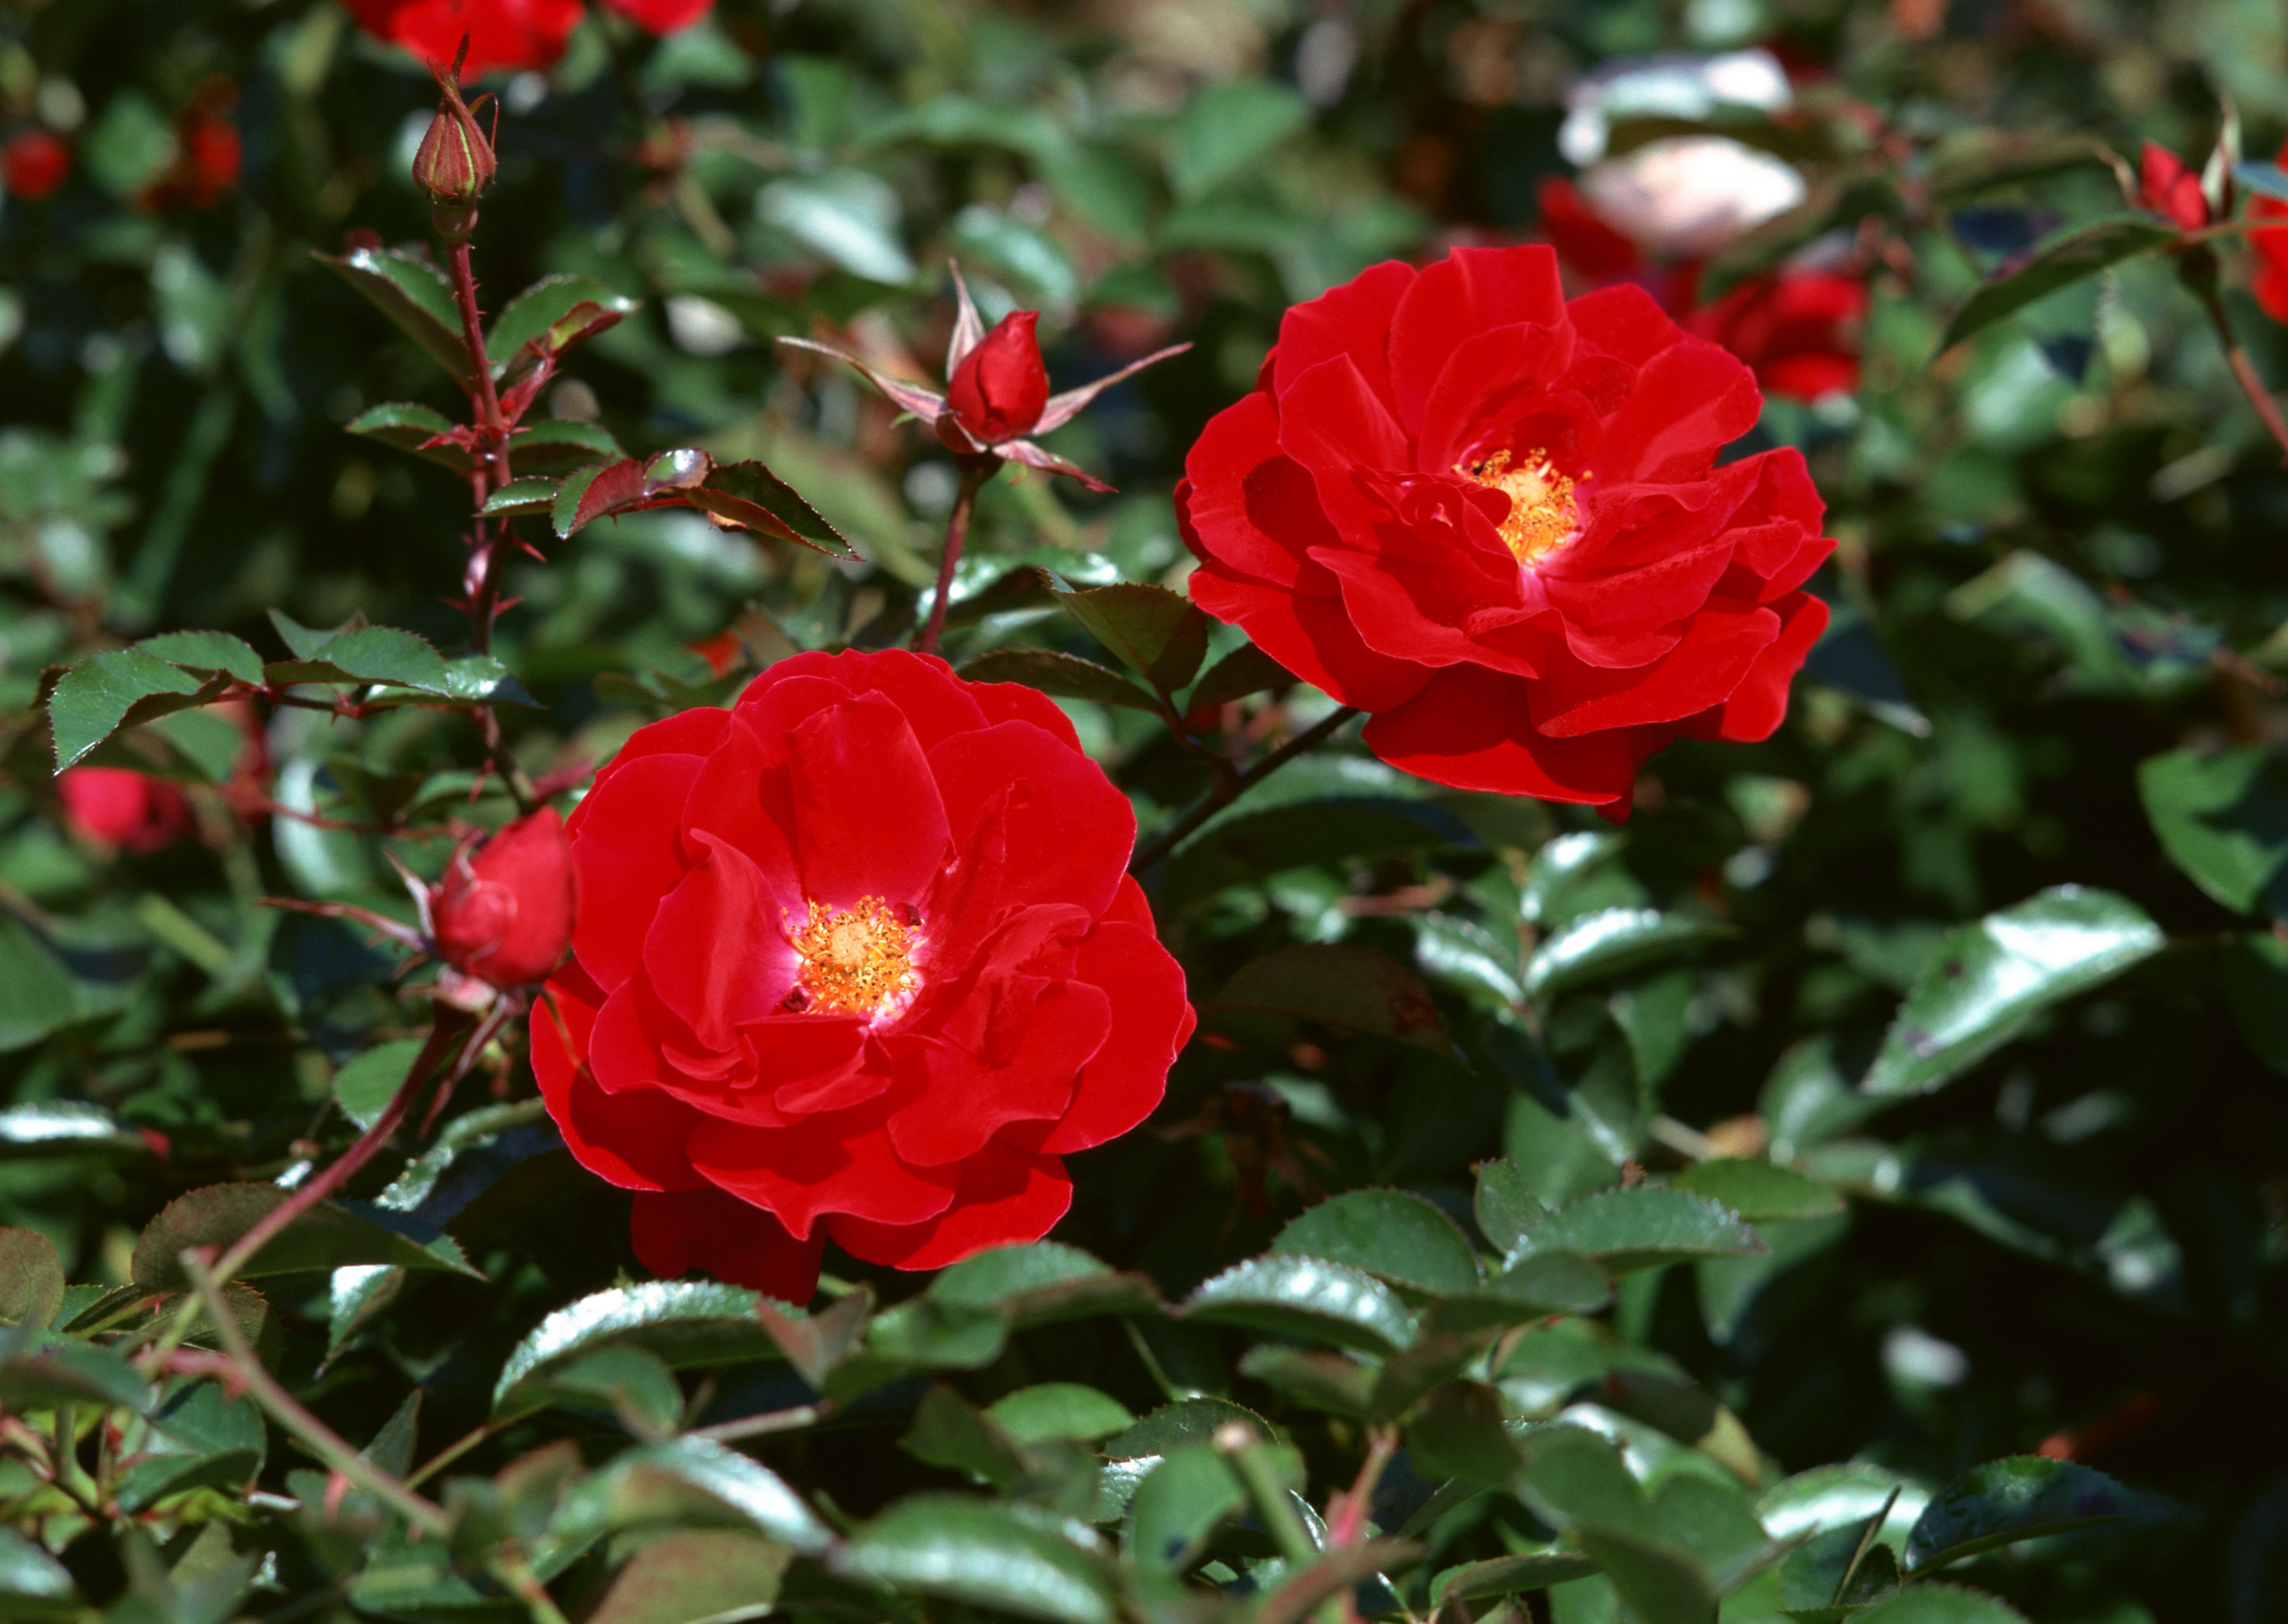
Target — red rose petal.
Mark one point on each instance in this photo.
(1759, 704)
(837, 1163)
(1353, 320)
(1471, 728)
(1487, 387)
(970, 1096)
(1248, 505)
(1071, 833)
(1455, 302)
(743, 797)
(625, 852)
(718, 954)
(1007, 1197)
(1707, 663)
(1312, 634)
(1150, 1021)
(1691, 401)
(707, 1230)
(868, 819)
(937, 704)
(635, 1141)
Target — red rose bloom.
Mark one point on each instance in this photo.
(504, 911)
(2269, 283)
(504, 35)
(1495, 520)
(33, 164)
(1789, 329)
(857, 957)
(123, 810)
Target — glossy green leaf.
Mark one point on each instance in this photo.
(2063, 260)
(39, 995)
(2255, 975)
(1459, 1433)
(1307, 1297)
(208, 653)
(987, 1555)
(1160, 635)
(1332, 1381)
(619, 1378)
(844, 216)
(61, 1127)
(691, 1482)
(1839, 1567)
(1995, 976)
(1227, 128)
(691, 1574)
(1179, 1505)
(2024, 1497)
(1537, 1285)
(328, 1236)
(949, 1432)
(1059, 1409)
(521, 496)
(685, 1323)
(1246, 669)
(1066, 675)
(413, 294)
(1531, 1570)
(1039, 1283)
(552, 315)
(1354, 988)
(2266, 180)
(39, 1372)
(196, 1437)
(558, 445)
(1391, 1234)
(32, 1584)
(1575, 1477)
(1505, 1206)
(1627, 1230)
(117, 688)
(1928, 1603)
(409, 426)
(1610, 941)
(2223, 818)
(1661, 1582)
(31, 1278)
(1757, 1191)
(364, 1085)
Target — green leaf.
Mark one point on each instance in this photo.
(1246, 669)
(1180, 1503)
(987, 1555)
(521, 496)
(328, 1236)
(32, 1584)
(1994, 977)
(2024, 1497)
(1459, 1434)
(60, 1126)
(2063, 260)
(1066, 675)
(367, 1084)
(715, 1575)
(197, 1437)
(1939, 1605)
(1531, 1570)
(412, 294)
(1662, 1582)
(636, 1386)
(1332, 1381)
(409, 426)
(951, 1432)
(1391, 1234)
(1574, 1476)
(1059, 1409)
(2223, 818)
(39, 995)
(1352, 987)
(1187, 1420)
(846, 215)
(1160, 635)
(1610, 941)
(750, 496)
(553, 314)
(383, 653)
(45, 1371)
(2256, 990)
(687, 1323)
(1504, 1204)
(208, 653)
(1839, 1567)
(690, 1482)
(745, 496)
(1228, 129)
(31, 1278)
(1627, 1230)
(1757, 1191)
(1039, 1283)
(118, 687)
(1307, 1297)
(1534, 1287)
(558, 445)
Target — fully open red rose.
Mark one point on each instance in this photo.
(505, 36)
(858, 957)
(1495, 520)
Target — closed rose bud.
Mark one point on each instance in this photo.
(455, 163)
(502, 913)
(1000, 388)
(2171, 189)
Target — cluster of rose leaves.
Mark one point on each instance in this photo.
(860, 958)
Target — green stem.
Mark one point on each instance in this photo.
(1251, 1459)
(1230, 789)
(975, 472)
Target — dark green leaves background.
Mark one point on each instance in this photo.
(1725, 1208)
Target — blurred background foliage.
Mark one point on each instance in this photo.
(2061, 611)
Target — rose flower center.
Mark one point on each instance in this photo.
(855, 960)
(1542, 512)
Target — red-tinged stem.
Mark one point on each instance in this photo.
(975, 472)
(1231, 788)
(1347, 1515)
(2243, 370)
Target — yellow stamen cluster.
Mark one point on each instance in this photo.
(1542, 512)
(855, 960)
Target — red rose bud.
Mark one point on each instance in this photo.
(1000, 388)
(123, 810)
(2171, 189)
(455, 163)
(502, 913)
(33, 164)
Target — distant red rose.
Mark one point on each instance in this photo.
(2170, 188)
(1582, 240)
(33, 164)
(123, 810)
(2269, 283)
(1789, 327)
(858, 957)
(1495, 520)
(502, 913)
(504, 35)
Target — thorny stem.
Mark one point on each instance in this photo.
(1231, 788)
(975, 472)
(2244, 371)
(329, 1446)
